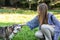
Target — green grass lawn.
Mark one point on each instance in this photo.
(22, 11)
(10, 17)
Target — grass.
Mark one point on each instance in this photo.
(26, 34)
(18, 10)
(22, 11)
(10, 17)
(15, 18)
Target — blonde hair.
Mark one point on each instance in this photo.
(43, 8)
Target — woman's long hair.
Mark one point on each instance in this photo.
(43, 17)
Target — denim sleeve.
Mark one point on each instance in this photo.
(57, 28)
(56, 36)
(33, 23)
(55, 21)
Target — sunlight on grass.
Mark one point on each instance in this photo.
(18, 18)
(15, 18)
(58, 16)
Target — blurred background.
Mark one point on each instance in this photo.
(31, 4)
(22, 11)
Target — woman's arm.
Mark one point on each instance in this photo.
(33, 23)
(55, 21)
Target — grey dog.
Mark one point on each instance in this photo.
(8, 32)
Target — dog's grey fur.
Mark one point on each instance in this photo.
(7, 33)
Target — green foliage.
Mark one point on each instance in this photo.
(59, 38)
(34, 1)
(23, 1)
(25, 34)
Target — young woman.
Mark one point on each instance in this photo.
(49, 26)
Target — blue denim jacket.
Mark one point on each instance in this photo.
(51, 21)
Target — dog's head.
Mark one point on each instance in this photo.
(9, 31)
(13, 28)
(17, 27)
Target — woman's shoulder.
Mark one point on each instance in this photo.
(50, 13)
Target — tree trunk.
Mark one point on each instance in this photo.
(29, 5)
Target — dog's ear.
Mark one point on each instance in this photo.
(6, 27)
(10, 29)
